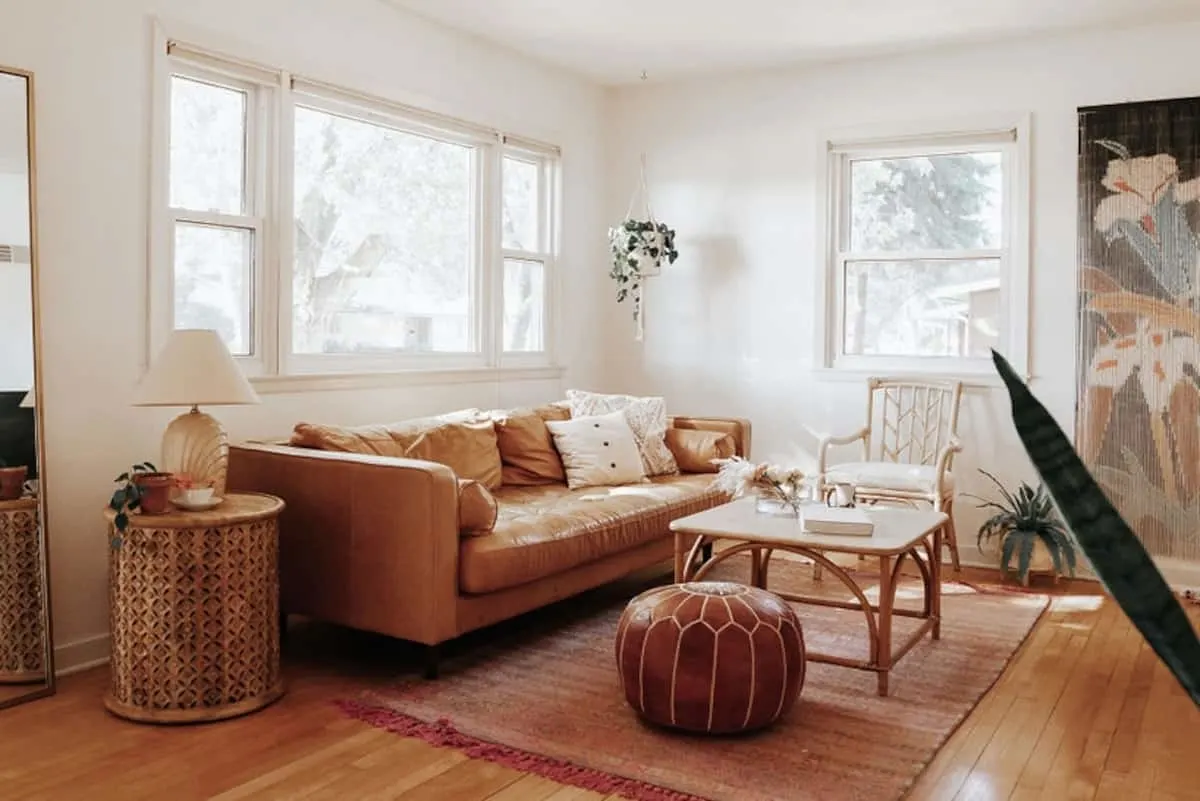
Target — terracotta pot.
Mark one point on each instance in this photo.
(12, 482)
(156, 492)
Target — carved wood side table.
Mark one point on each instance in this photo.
(194, 612)
(22, 645)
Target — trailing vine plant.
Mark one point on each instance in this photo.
(639, 247)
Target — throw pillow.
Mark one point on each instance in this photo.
(527, 448)
(694, 450)
(647, 417)
(469, 449)
(477, 509)
(383, 439)
(597, 451)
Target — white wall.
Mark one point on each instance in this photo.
(734, 168)
(92, 69)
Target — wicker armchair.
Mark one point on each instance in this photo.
(908, 448)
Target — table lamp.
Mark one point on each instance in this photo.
(195, 369)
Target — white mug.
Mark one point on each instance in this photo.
(842, 494)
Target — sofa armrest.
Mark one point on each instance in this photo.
(737, 427)
(369, 542)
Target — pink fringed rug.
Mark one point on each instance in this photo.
(549, 702)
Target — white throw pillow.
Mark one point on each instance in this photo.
(646, 416)
(597, 451)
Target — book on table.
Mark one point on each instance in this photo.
(849, 521)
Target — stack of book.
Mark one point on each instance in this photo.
(837, 520)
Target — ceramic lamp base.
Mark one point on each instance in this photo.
(195, 445)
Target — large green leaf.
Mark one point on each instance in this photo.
(1114, 551)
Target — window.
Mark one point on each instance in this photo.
(926, 267)
(322, 231)
(213, 204)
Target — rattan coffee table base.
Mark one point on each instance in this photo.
(197, 715)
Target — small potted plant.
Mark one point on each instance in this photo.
(639, 249)
(1028, 527)
(12, 481)
(142, 489)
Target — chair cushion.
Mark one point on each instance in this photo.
(546, 530)
(887, 475)
(526, 447)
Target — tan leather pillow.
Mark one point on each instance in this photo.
(477, 509)
(527, 448)
(383, 439)
(694, 449)
(469, 449)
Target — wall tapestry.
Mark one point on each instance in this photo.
(1139, 321)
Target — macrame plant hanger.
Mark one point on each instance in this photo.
(642, 192)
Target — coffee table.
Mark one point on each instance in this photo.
(899, 534)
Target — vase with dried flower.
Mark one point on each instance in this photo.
(778, 490)
(12, 480)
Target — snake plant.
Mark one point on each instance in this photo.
(1116, 554)
(1021, 520)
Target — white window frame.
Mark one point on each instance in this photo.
(544, 253)
(1007, 134)
(269, 209)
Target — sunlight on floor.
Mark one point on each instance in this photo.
(1078, 603)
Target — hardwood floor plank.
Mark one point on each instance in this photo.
(1085, 711)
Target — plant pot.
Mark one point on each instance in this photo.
(1040, 563)
(156, 492)
(12, 482)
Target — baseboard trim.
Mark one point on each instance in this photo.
(89, 652)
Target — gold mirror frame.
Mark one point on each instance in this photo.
(49, 686)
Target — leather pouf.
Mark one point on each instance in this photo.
(710, 656)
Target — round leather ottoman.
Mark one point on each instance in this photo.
(710, 656)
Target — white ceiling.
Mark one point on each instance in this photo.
(612, 41)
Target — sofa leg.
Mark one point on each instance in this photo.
(431, 658)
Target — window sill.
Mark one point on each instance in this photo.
(285, 384)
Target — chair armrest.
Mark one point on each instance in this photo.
(369, 542)
(827, 441)
(737, 427)
(945, 459)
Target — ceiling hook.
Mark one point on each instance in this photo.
(644, 75)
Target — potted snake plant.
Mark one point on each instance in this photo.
(1026, 527)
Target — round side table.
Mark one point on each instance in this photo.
(194, 612)
(22, 646)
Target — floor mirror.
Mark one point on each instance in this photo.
(26, 652)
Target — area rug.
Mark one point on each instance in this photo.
(547, 700)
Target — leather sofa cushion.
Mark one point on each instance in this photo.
(477, 509)
(694, 450)
(383, 439)
(467, 448)
(526, 446)
(546, 530)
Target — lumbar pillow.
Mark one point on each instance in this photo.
(695, 450)
(647, 417)
(597, 451)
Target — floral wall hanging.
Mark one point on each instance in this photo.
(640, 246)
(1139, 326)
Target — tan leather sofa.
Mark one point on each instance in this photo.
(374, 542)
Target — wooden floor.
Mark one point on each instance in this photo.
(1084, 712)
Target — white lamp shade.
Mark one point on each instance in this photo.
(194, 369)
(29, 401)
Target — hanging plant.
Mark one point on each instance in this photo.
(639, 249)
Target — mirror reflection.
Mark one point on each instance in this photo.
(25, 653)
